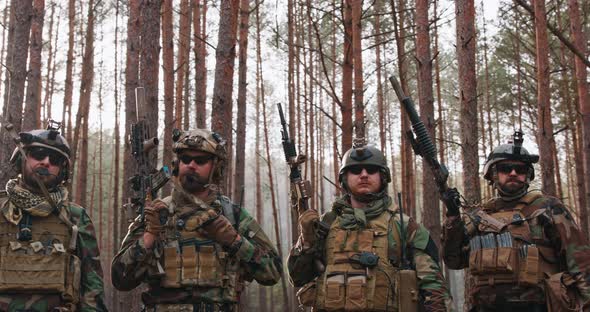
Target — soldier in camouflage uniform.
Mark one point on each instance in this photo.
(359, 264)
(196, 248)
(522, 249)
(49, 258)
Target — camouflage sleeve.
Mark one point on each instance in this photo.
(133, 262)
(258, 255)
(91, 286)
(434, 292)
(455, 250)
(572, 246)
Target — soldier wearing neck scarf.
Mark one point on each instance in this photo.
(522, 249)
(366, 248)
(49, 257)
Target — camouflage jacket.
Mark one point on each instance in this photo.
(91, 286)
(548, 217)
(421, 252)
(134, 264)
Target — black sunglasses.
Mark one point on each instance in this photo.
(356, 170)
(199, 160)
(507, 168)
(39, 153)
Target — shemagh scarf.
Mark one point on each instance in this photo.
(22, 199)
(355, 218)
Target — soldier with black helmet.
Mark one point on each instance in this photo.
(49, 257)
(522, 249)
(196, 248)
(374, 259)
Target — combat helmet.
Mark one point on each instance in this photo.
(512, 150)
(49, 138)
(205, 141)
(364, 154)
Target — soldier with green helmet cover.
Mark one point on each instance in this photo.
(373, 259)
(196, 248)
(49, 257)
(522, 249)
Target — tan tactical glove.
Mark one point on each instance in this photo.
(219, 229)
(307, 227)
(155, 214)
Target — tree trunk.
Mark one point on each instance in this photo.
(168, 71)
(584, 105)
(33, 102)
(357, 49)
(242, 90)
(465, 13)
(380, 107)
(346, 108)
(182, 62)
(545, 126)
(69, 84)
(221, 113)
(18, 38)
(430, 202)
(149, 65)
(200, 52)
(50, 76)
(131, 82)
(83, 111)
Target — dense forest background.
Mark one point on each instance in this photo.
(475, 76)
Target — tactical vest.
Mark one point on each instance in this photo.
(191, 261)
(348, 285)
(509, 248)
(46, 264)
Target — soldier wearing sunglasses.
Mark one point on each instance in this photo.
(49, 257)
(373, 259)
(196, 248)
(522, 249)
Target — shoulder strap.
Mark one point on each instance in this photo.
(229, 210)
(394, 254)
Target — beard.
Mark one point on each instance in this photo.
(49, 180)
(512, 186)
(193, 182)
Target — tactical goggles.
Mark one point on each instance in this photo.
(357, 169)
(40, 153)
(199, 160)
(507, 168)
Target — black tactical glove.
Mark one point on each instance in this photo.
(452, 200)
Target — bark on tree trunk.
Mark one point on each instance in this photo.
(346, 108)
(465, 12)
(357, 49)
(545, 126)
(430, 202)
(242, 90)
(584, 104)
(86, 84)
(69, 84)
(200, 52)
(168, 71)
(18, 38)
(221, 113)
(33, 101)
(182, 62)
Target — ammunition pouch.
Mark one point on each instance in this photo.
(559, 295)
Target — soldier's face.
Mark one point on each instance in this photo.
(363, 180)
(43, 163)
(511, 175)
(194, 168)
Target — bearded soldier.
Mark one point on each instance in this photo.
(371, 258)
(49, 258)
(522, 249)
(196, 248)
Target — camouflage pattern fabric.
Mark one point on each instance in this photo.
(433, 290)
(557, 227)
(91, 288)
(134, 264)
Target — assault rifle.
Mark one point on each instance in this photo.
(301, 189)
(147, 181)
(423, 146)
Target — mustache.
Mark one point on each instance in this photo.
(44, 172)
